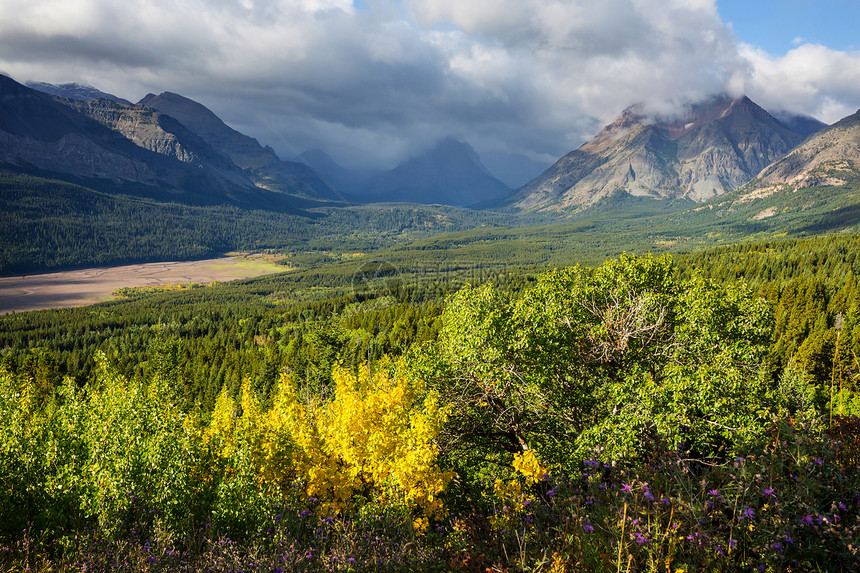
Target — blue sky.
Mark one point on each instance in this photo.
(777, 26)
(523, 81)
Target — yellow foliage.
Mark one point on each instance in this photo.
(374, 438)
(529, 466)
(221, 433)
(513, 499)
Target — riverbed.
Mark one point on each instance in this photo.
(89, 286)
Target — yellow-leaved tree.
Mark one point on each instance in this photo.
(375, 439)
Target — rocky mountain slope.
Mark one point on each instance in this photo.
(262, 164)
(74, 91)
(39, 132)
(119, 147)
(451, 173)
(831, 157)
(717, 146)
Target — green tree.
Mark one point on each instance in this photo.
(597, 359)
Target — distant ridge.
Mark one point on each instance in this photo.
(451, 173)
(74, 91)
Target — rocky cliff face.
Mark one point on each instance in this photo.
(37, 131)
(262, 164)
(718, 145)
(118, 146)
(164, 135)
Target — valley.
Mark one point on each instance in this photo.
(88, 286)
(665, 319)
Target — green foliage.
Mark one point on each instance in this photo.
(585, 359)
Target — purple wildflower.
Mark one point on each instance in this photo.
(587, 528)
(748, 513)
(640, 539)
(818, 461)
(591, 463)
(626, 488)
(716, 493)
(768, 492)
(648, 495)
(665, 501)
(806, 519)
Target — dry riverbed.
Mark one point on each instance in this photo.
(89, 286)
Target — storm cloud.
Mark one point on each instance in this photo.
(523, 81)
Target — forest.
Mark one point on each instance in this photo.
(692, 412)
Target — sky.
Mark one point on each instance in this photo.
(373, 82)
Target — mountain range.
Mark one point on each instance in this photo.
(168, 162)
(718, 145)
(171, 142)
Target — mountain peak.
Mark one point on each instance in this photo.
(707, 149)
(75, 91)
(450, 173)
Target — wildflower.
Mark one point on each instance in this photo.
(806, 519)
(626, 488)
(769, 492)
(665, 501)
(640, 539)
(842, 506)
(818, 461)
(587, 528)
(591, 463)
(648, 495)
(748, 513)
(716, 493)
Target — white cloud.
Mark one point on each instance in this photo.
(373, 85)
(810, 79)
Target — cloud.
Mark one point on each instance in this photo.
(375, 85)
(810, 79)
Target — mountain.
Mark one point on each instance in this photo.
(74, 91)
(119, 148)
(451, 173)
(716, 146)
(831, 157)
(263, 165)
(348, 181)
(39, 132)
(822, 174)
